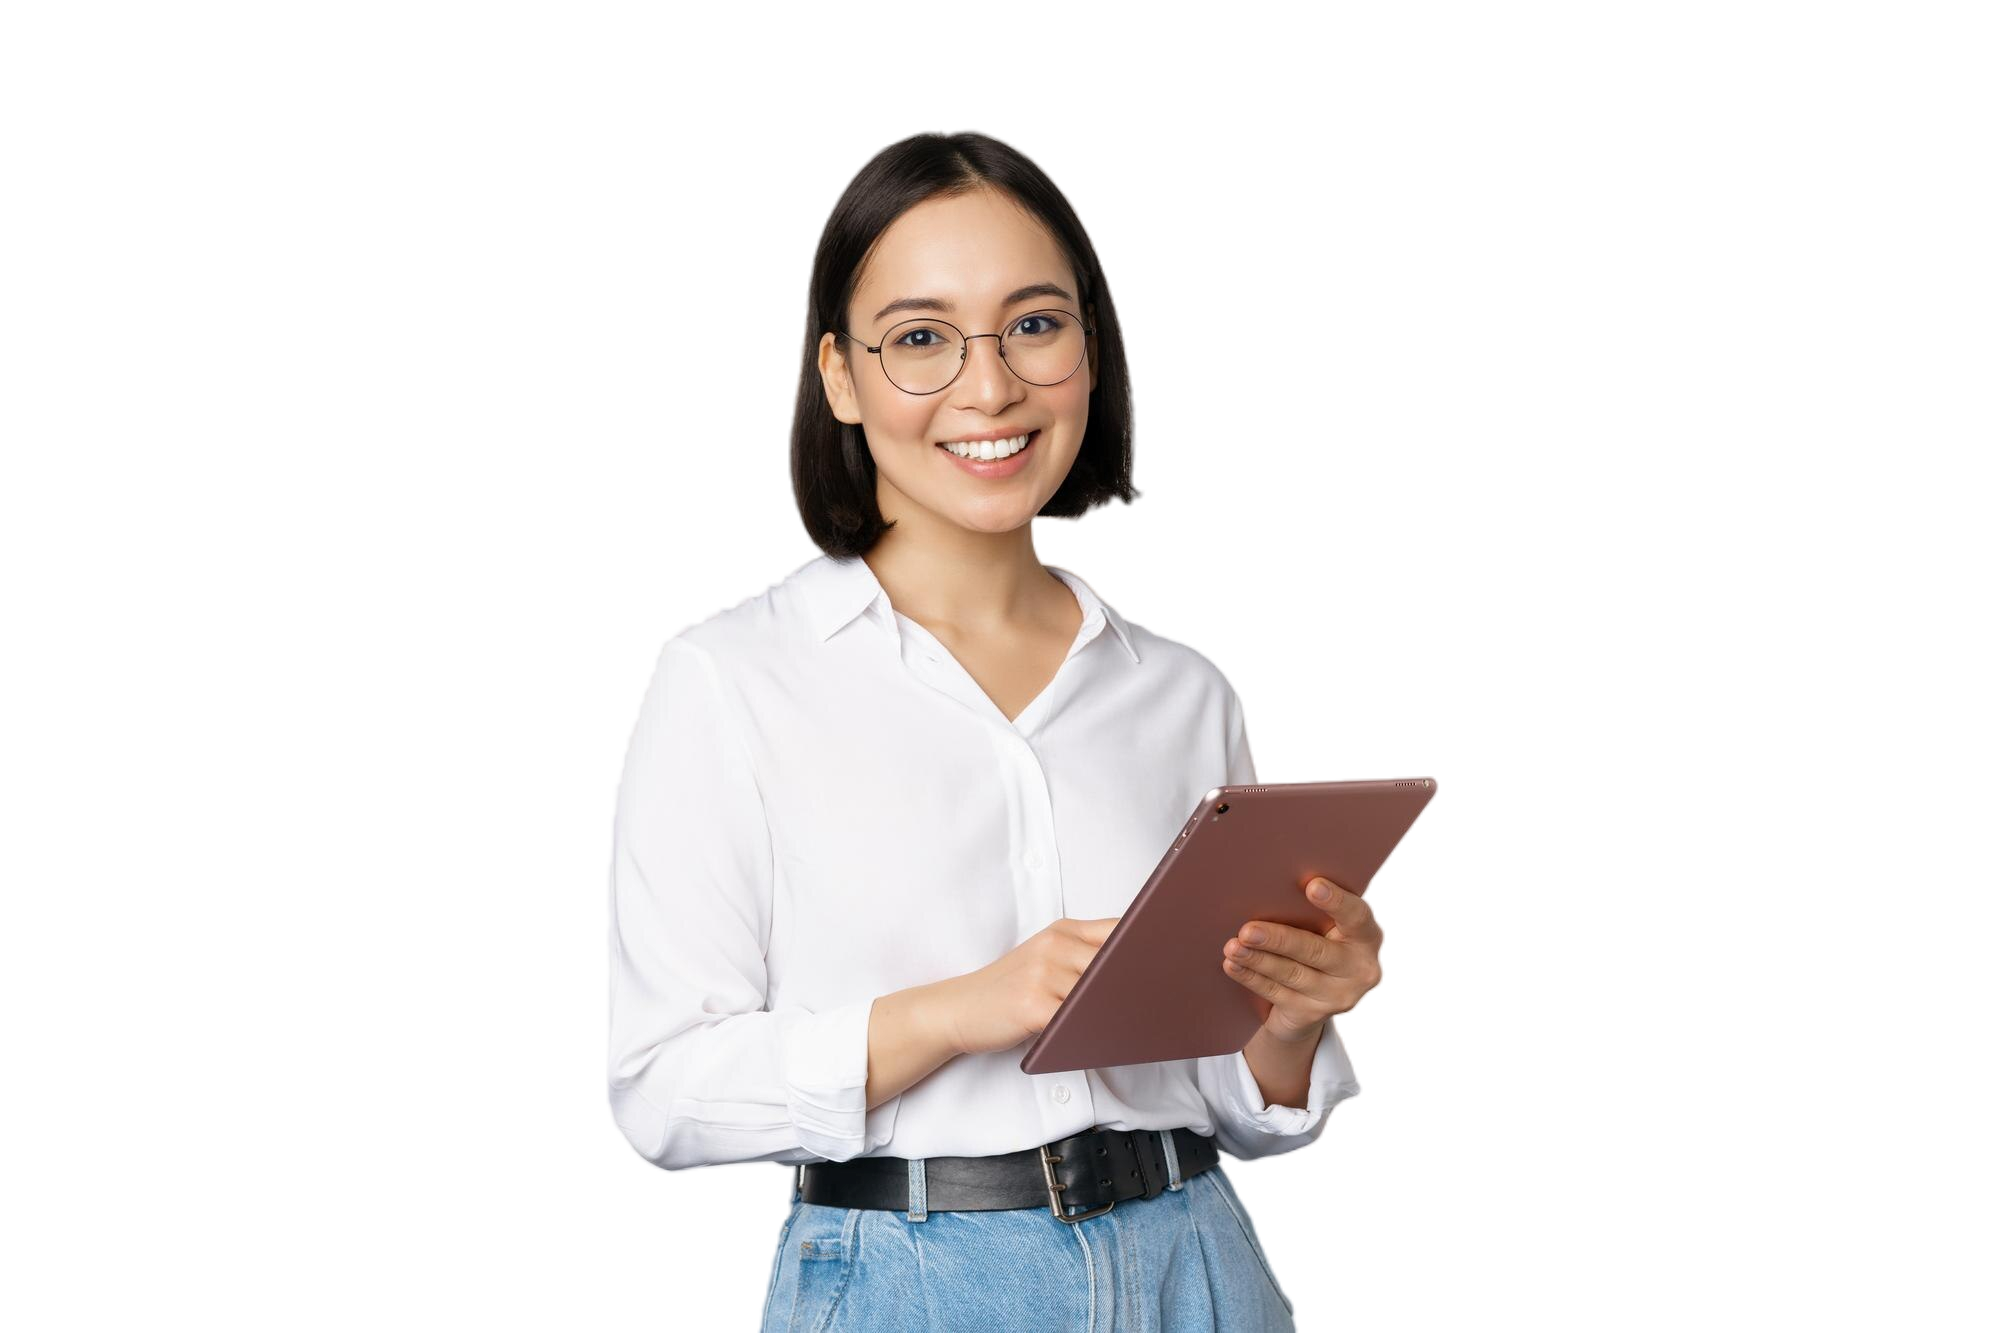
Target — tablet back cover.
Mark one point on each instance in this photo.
(1427, 859)
(1156, 989)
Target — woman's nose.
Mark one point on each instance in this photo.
(986, 374)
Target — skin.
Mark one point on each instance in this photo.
(961, 562)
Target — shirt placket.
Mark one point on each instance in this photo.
(1064, 1099)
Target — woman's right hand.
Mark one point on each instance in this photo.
(1013, 997)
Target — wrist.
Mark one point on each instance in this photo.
(937, 1003)
(1286, 1038)
(1282, 1066)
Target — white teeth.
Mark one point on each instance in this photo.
(984, 449)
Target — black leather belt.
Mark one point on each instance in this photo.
(1091, 1171)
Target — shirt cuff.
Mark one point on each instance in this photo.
(1331, 1081)
(826, 1079)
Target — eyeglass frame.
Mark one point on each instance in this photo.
(965, 341)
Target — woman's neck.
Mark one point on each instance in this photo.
(990, 584)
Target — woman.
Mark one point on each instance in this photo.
(876, 820)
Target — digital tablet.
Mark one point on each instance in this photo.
(1155, 990)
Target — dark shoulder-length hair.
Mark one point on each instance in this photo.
(833, 476)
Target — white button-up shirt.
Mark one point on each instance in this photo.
(819, 806)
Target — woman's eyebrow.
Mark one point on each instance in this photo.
(933, 303)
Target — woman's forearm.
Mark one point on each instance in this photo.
(907, 1039)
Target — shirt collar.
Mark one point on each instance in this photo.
(1092, 604)
(836, 591)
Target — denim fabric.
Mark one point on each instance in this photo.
(1186, 1259)
(1307, 1269)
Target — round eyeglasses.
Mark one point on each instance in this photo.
(924, 356)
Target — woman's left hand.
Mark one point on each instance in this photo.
(1308, 976)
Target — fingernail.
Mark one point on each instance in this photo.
(1321, 891)
(1253, 936)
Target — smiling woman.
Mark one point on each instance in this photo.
(956, 296)
(875, 821)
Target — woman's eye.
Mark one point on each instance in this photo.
(917, 333)
(1033, 325)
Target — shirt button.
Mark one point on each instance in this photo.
(1061, 1093)
(1033, 860)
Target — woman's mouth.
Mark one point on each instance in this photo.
(1000, 463)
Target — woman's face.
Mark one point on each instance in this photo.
(970, 253)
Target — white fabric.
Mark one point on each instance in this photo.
(819, 805)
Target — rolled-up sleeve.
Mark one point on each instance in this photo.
(1247, 1126)
(702, 1071)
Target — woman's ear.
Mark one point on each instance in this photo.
(837, 381)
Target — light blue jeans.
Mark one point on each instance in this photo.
(1186, 1259)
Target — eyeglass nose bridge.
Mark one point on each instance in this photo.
(965, 356)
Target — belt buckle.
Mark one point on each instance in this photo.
(1049, 1161)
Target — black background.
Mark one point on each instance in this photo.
(1361, 507)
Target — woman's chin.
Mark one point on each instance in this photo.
(995, 515)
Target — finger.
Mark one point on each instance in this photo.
(1354, 918)
(1273, 991)
(1097, 930)
(1332, 952)
(1287, 973)
(1080, 951)
(1308, 946)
